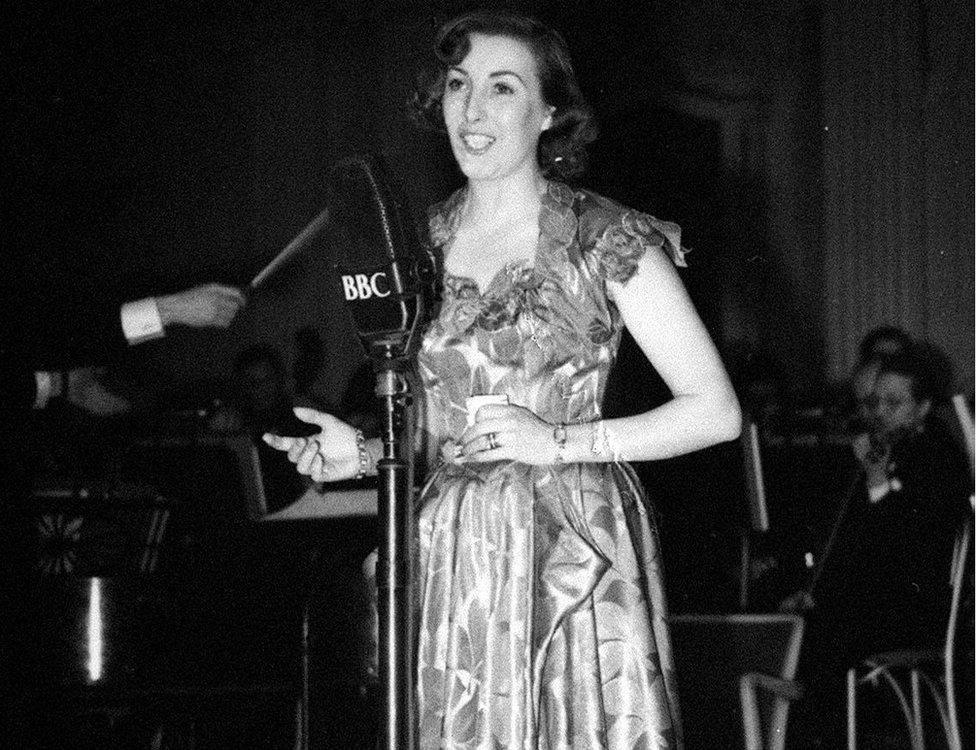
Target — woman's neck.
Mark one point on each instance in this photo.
(493, 201)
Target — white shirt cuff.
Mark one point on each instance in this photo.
(44, 389)
(141, 321)
(878, 491)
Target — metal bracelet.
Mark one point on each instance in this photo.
(559, 435)
(363, 454)
(596, 438)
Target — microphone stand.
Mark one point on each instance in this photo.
(393, 568)
(393, 572)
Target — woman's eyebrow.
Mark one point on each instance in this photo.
(498, 73)
(493, 74)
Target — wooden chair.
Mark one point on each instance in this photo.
(905, 672)
(736, 678)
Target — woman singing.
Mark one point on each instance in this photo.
(542, 620)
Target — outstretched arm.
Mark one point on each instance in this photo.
(207, 305)
(337, 452)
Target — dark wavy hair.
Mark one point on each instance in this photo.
(898, 339)
(562, 146)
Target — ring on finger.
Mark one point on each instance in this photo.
(492, 441)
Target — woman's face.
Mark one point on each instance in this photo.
(493, 108)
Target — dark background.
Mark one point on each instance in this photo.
(149, 147)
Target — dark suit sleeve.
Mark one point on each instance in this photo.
(936, 473)
(60, 334)
(39, 332)
(18, 386)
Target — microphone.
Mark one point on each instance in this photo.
(384, 271)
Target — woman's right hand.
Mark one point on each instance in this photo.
(329, 456)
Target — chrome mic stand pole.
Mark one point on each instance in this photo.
(393, 569)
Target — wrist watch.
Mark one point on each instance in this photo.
(559, 435)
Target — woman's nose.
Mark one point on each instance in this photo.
(474, 107)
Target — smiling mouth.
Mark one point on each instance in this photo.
(476, 143)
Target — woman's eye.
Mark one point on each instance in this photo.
(454, 84)
(503, 88)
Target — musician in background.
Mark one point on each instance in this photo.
(885, 584)
(261, 398)
(877, 345)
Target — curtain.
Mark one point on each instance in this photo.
(898, 176)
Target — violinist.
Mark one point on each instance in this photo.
(884, 584)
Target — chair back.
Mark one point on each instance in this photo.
(960, 574)
(960, 567)
(712, 652)
(965, 428)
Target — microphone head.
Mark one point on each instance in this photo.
(378, 257)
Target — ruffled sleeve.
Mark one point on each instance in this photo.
(618, 248)
(442, 218)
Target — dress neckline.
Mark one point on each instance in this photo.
(511, 271)
(557, 227)
(507, 273)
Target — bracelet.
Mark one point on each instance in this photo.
(597, 438)
(559, 435)
(363, 454)
(602, 442)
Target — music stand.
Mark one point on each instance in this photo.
(319, 502)
(175, 464)
(338, 500)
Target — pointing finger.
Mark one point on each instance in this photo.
(278, 442)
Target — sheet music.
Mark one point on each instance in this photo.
(317, 504)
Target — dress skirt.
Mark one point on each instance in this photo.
(542, 620)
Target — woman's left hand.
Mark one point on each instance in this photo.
(504, 432)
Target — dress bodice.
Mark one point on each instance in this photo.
(544, 331)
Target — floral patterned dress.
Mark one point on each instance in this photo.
(542, 609)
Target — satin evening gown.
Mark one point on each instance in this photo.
(542, 611)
